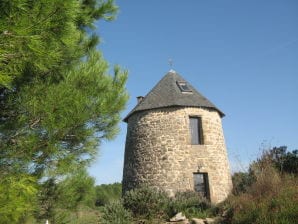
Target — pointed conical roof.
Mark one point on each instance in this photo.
(168, 94)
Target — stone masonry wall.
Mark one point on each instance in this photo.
(158, 151)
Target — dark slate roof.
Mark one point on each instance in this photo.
(167, 94)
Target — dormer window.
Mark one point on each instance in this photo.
(184, 87)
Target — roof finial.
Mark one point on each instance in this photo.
(171, 64)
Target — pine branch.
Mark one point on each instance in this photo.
(43, 20)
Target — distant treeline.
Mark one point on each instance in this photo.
(107, 193)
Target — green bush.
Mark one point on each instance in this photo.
(241, 182)
(115, 213)
(191, 204)
(147, 202)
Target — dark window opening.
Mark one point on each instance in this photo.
(201, 184)
(196, 131)
(183, 87)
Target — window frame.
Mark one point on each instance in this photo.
(184, 87)
(206, 192)
(200, 136)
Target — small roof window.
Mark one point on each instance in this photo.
(184, 87)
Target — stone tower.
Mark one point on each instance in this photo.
(175, 142)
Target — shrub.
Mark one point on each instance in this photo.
(241, 182)
(191, 204)
(146, 202)
(271, 199)
(115, 213)
(268, 182)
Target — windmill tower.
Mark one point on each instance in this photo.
(175, 142)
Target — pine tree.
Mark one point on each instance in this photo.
(57, 99)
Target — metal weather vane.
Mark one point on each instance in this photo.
(170, 62)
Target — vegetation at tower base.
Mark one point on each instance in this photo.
(264, 194)
(57, 99)
(268, 192)
(149, 205)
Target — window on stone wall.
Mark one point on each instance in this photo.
(196, 131)
(201, 184)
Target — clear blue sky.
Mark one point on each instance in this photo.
(242, 55)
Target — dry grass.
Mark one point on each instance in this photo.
(271, 199)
